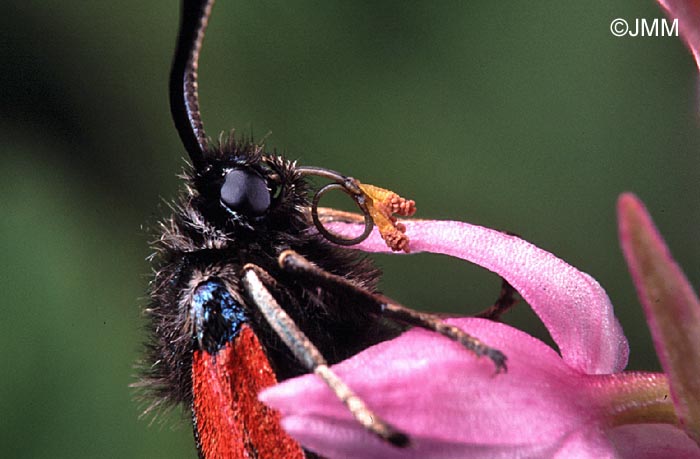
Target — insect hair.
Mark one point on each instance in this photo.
(198, 242)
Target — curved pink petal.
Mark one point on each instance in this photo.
(671, 306)
(451, 403)
(572, 305)
(688, 14)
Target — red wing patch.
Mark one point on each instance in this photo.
(230, 421)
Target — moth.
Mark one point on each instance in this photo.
(252, 288)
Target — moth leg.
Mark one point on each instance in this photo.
(506, 300)
(292, 262)
(436, 324)
(304, 350)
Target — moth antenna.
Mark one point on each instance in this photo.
(184, 100)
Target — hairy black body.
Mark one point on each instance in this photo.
(201, 240)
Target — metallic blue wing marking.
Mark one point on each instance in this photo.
(216, 315)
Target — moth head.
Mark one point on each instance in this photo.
(243, 189)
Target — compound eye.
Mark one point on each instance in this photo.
(246, 192)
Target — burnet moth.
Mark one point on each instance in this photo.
(251, 287)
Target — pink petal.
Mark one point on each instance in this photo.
(585, 443)
(688, 14)
(451, 403)
(653, 441)
(572, 305)
(671, 307)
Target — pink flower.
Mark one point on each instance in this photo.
(580, 404)
(453, 405)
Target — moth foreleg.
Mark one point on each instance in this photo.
(307, 353)
(292, 262)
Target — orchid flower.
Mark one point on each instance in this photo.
(452, 404)
(578, 403)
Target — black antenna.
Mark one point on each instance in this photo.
(184, 100)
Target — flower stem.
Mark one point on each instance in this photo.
(637, 398)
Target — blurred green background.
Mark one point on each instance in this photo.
(528, 117)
